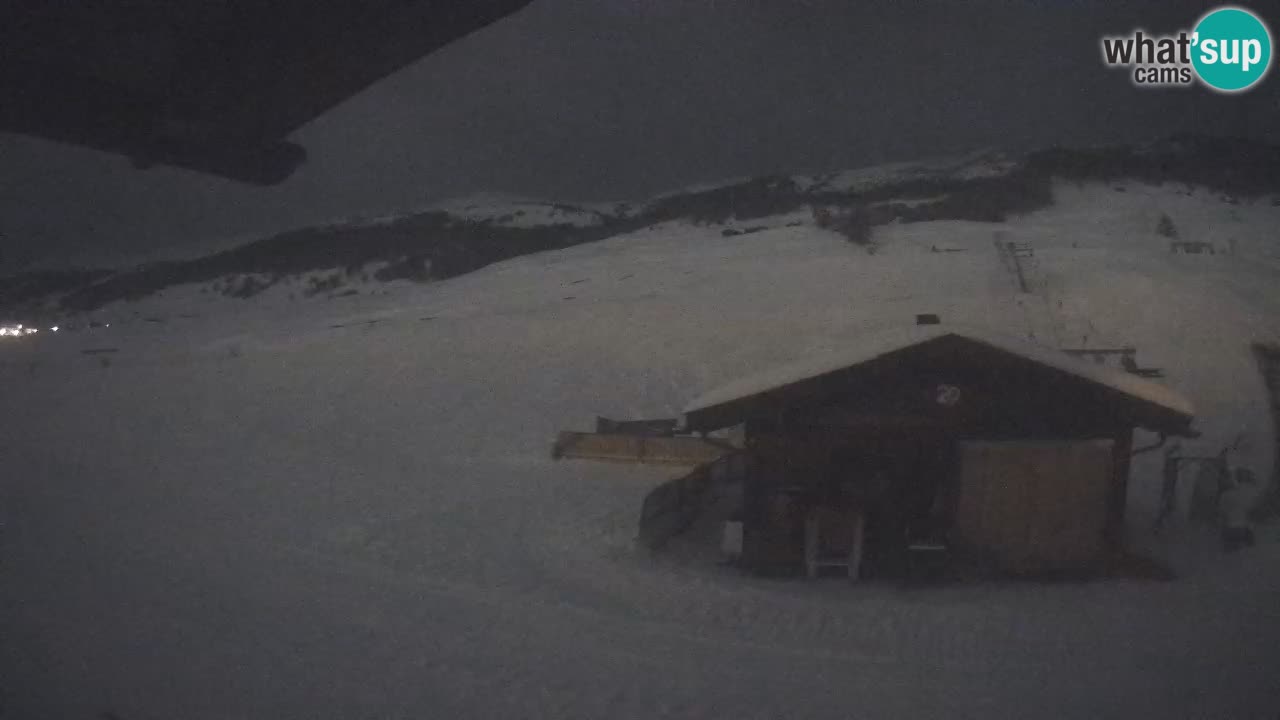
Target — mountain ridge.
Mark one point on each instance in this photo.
(457, 236)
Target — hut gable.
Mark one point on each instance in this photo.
(952, 375)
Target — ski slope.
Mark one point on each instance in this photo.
(340, 508)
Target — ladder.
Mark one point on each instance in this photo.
(815, 559)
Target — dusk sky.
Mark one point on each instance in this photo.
(619, 99)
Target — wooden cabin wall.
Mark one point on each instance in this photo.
(1036, 506)
(838, 466)
(1122, 450)
(772, 506)
(907, 408)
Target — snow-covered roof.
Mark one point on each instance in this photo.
(874, 346)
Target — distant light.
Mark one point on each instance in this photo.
(54, 328)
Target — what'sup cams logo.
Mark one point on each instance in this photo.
(1228, 51)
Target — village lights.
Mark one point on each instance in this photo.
(18, 330)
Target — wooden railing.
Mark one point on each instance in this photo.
(674, 505)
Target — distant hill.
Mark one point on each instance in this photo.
(460, 236)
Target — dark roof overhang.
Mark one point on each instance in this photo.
(214, 86)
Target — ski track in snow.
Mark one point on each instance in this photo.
(254, 514)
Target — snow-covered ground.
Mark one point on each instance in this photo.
(340, 508)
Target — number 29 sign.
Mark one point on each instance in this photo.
(947, 395)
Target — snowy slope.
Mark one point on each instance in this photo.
(345, 508)
(981, 164)
(511, 211)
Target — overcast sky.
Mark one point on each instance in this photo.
(618, 99)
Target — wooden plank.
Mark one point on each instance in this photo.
(637, 449)
(664, 427)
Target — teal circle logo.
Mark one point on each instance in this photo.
(1231, 49)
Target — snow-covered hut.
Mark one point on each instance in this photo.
(1010, 452)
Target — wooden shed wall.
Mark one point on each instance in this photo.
(1036, 506)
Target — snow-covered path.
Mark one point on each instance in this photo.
(259, 515)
